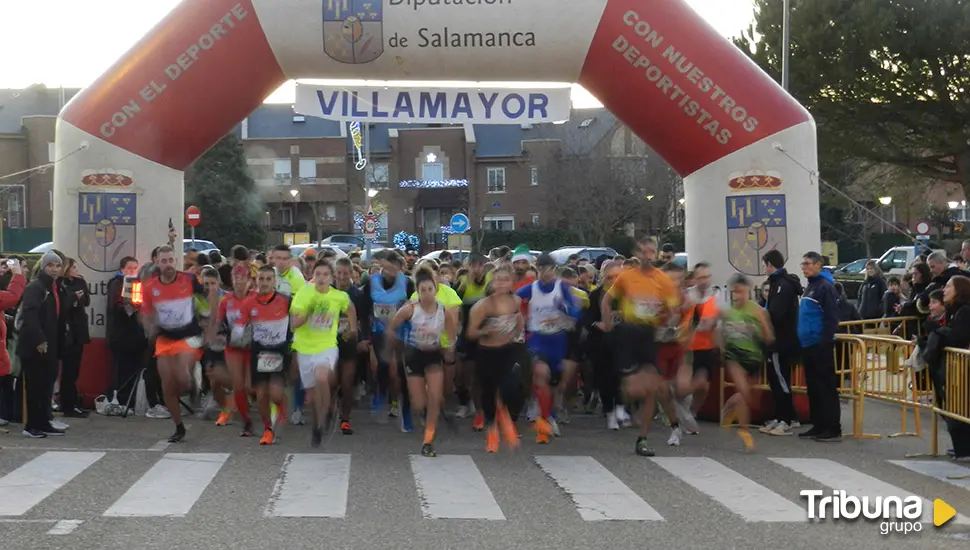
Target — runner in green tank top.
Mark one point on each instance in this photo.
(745, 329)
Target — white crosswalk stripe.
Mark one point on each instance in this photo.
(448, 487)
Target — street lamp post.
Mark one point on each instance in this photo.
(785, 43)
(367, 190)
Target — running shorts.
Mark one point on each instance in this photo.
(346, 350)
(670, 356)
(466, 348)
(751, 362)
(167, 347)
(268, 365)
(574, 346)
(549, 356)
(309, 363)
(635, 348)
(705, 361)
(417, 361)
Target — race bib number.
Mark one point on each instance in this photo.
(269, 362)
(549, 326)
(321, 321)
(342, 325)
(645, 309)
(384, 313)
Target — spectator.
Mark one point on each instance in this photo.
(75, 300)
(572, 260)
(667, 252)
(941, 271)
(781, 301)
(37, 345)
(893, 297)
(872, 291)
(818, 320)
(125, 335)
(9, 298)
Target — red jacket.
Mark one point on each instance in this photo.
(9, 299)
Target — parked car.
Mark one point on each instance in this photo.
(898, 259)
(851, 275)
(197, 244)
(455, 255)
(347, 243)
(43, 248)
(562, 255)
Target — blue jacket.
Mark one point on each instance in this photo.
(818, 311)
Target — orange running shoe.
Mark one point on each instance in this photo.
(492, 439)
(746, 438)
(479, 423)
(268, 437)
(223, 419)
(507, 428)
(543, 430)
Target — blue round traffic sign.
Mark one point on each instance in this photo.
(459, 223)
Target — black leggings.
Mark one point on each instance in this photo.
(496, 377)
(606, 376)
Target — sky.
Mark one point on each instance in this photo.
(86, 36)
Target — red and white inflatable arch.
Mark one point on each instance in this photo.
(746, 149)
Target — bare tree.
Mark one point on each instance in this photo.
(597, 190)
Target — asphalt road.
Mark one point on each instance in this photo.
(114, 483)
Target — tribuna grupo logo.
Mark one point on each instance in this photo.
(896, 514)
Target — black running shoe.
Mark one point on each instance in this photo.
(317, 437)
(829, 437)
(51, 431)
(428, 450)
(643, 448)
(811, 433)
(34, 433)
(179, 434)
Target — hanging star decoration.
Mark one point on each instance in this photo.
(433, 184)
(358, 140)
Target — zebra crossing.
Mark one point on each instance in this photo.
(449, 487)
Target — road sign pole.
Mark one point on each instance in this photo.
(193, 236)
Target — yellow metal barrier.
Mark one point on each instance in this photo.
(956, 397)
(901, 326)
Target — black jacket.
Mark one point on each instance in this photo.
(592, 315)
(122, 329)
(889, 302)
(39, 312)
(74, 311)
(784, 290)
(938, 282)
(870, 297)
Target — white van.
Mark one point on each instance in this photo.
(898, 259)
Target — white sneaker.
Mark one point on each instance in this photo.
(394, 412)
(611, 423)
(674, 439)
(781, 428)
(60, 425)
(622, 416)
(555, 427)
(296, 418)
(769, 425)
(361, 391)
(4, 422)
(462, 412)
(795, 425)
(564, 415)
(685, 417)
(158, 412)
(533, 411)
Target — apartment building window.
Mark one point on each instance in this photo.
(496, 180)
(534, 176)
(498, 223)
(282, 171)
(14, 215)
(330, 213)
(535, 220)
(286, 216)
(433, 171)
(308, 171)
(377, 174)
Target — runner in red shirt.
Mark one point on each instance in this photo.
(237, 349)
(169, 315)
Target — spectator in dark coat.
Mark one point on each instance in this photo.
(38, 345)
(784, 291)
(9, 298)
(871, 292)
(955, 333)
(125, 335)
(75, 299)
(893, 297)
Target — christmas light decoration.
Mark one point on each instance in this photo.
(406, 241)
(358, 139)
(433, 184)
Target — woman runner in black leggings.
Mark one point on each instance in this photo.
(494, 322)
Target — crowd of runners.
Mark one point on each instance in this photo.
(503, 338)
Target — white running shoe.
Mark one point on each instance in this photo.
(394, 412)
(296, 418)
(795, 425)
(462, 412)
(769, 425)
(674, 439)
(158, 412)
(781, 428)
(685, 417)
(563, 415)
(533, 411)
(622, 416)
(611, 423)
(555, 427)
(57, 424)
(4, 422)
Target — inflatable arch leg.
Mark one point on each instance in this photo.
(694, 98)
